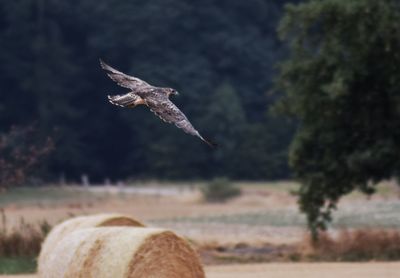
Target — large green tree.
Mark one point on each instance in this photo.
(342, 82)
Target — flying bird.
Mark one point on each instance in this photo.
(156, 98)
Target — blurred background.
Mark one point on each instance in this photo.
(303, 98)
(220, 55)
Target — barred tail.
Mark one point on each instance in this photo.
(122, 100)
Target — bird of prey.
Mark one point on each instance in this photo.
(156, 98)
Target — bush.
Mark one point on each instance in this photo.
(22, 241)
(219, 190)
(21, 151)
(358, 245)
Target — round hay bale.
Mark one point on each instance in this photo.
(81, 222)
(123, 252)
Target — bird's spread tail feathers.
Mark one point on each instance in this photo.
(122, 100)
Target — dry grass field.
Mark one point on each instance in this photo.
(265, 212)
(178, 207)
(292, 270)
(264, 215)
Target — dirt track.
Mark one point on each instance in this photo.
(294, 270)
(306, 270)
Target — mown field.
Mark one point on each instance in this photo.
(292, 270)
(261, 225)
(264, 212)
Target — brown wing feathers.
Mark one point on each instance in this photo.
(159, 105)
(123, 79)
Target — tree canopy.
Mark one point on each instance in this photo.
(342, 83)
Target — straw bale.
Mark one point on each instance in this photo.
(81, 222)
(123, 252)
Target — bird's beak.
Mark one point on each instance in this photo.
(176, 93)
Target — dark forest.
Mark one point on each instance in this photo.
(220, 55)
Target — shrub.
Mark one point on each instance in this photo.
(219, 190)
(21, 151)
(358, 245)
(22, 241)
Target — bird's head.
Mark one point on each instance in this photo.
(171, 91)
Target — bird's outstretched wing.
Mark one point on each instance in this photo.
(123, 79)
(170, 113)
